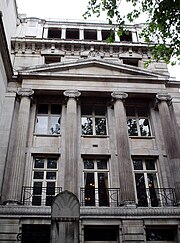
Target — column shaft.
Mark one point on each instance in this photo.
(71, 139)
(18, 163)
(170, 139)
(123, 150)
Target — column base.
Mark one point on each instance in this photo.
(128, 204)
(12, 202)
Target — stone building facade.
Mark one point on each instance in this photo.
(89, 138)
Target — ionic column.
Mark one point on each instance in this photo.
(71, 139)
(171, 139)
(123, 149)
(18, 158)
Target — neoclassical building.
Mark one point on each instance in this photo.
(90, 141)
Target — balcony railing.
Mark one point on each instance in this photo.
(157, 197)
(39, 196)
(106, 197)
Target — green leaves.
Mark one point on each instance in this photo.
(162, 27)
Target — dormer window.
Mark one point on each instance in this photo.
(54, 33)
(72, 34)
(131, 61)
(90, 34)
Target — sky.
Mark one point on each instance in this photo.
(70, 9)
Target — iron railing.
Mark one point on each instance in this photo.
(39, 196)
(157, 197)
(106, 197)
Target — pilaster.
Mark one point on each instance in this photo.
(123, 150)
(71, 139)
(171, 139)
(19, 151)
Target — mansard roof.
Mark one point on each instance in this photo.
(91, 68)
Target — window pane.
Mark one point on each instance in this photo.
(51, 163)
(36, 200)
(54, 125)
(56, 109)
(88, 164)
(130, 111)
(38, 175)
(144, 127)
(42, 109)
(51, 175)
(132, 127)
(160, 234)
(87, 126)
(42, 124)
(50, 188)
(150, 165)
(89, 189)
(102, 164)
(153, 191)
(102, 189)
(141, 190)
(39, 163)
(86, 110)
(137, 164)
(37, 189)
(100, 126)
(100, 110)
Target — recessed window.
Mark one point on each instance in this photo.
(93, 120)
(131, 62)
(54, 33)
(96, 173)
(126, 36)
(72, 34)
(161, 233)
(48, 119)
(35, 233)
(101, 233)
(44, 180)
(52, 59)
(146, 179)
(90, 34)
(106, 34)
(138, 120)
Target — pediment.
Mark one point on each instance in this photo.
(90, 67)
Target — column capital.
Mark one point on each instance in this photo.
(25, 92)
(118, 95)
(72, 93)
(163, 97)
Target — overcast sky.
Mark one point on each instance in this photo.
(68, 9)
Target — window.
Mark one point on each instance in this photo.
(100, 233)
(90, 34)
(107, 33)
(48, 119)
(54, 33)
(35, 233)
(126, 36)
(161, 233)
(72, 34)
(146, 179)
(93, 120)
(44, 180)
(131, 62)
(138, 121)
(96, 182)
(51, 59)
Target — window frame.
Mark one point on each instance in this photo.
(137, 118)
(49, 116)
(94, 117)
(44, 180)
(145, 173)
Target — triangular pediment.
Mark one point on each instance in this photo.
(92, 67)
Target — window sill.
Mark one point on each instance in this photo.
(46, 135)
(95, 136)
(142, 137)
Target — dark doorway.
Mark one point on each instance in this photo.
(32, 233)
